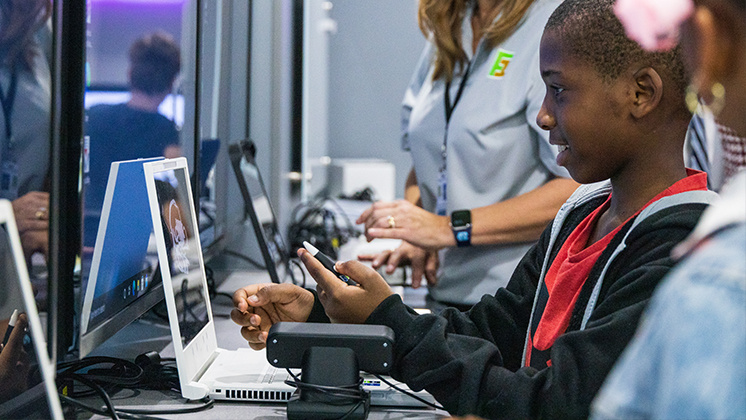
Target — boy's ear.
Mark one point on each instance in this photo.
(648, 91)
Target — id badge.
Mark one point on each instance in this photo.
(9, 180)
(440, 204)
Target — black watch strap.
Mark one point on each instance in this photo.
(461, 227)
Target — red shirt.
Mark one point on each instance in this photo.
(576, 258)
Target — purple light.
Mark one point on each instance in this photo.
(141, 1)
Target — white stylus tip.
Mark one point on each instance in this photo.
(13, 318)
(312, 249)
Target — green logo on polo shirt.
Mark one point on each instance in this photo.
(501, 63)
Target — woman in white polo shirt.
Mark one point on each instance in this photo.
(484, 182)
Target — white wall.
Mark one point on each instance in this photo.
(371, 59)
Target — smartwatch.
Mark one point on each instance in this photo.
(461, 227)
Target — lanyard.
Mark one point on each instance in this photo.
(447, 97)
(449, 107)
(8, 101)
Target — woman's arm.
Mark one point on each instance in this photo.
(519, 219)
(412, 190)
(522, 218)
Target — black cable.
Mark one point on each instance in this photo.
(302, 271)
(189, 308)
(122, 372)
(315, 222)
(150, 373)
(96, 410)
(355, 407)
(352, 391)
(100, 391)
(138, 413)
(246, 258)
(210, 278)
(224, 294)
(405, 392)
(207, 403)
(350, 227)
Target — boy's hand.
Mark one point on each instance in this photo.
(259, 306)
(14, 364)
(343, 303)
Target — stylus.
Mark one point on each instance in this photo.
(327, 262)
(11, 324)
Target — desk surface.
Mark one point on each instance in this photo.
(147, 334)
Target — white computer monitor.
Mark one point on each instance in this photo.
(23, 394)
(124, 282)
(182, 267)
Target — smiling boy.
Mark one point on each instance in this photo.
(542, 346)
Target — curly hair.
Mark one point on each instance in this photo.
(595, 35)
(441, 20)
(19, 21)
(155, 60)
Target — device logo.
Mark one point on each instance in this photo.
(178, 238)
(501, 63)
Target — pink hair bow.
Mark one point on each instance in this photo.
(654, 24)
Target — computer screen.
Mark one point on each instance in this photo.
(123, 279)
(183, 251)
(259, 210)
(28, 389)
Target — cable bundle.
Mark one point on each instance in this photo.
(102, 375)
(315, 222)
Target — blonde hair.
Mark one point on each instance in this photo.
(441, 21)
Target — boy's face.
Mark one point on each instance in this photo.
(583, 113)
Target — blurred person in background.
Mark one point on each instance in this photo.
(686, 361)
(25, 95)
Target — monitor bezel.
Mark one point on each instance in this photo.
(193, 358)
(46, 367)
(90, 339)
(242, 151)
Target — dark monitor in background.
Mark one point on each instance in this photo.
(208, 154)
(259, 210)
(123, 281)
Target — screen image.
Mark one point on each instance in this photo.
(22, 392)
(128, 258)
(265, 216)
(184, 252)
(259, 212)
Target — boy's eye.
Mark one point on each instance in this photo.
(557, 90)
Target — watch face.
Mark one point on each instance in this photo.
(460, 218)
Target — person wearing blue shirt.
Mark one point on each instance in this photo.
(686, 361)
(133, 129)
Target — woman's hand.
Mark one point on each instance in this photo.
(31, 212)
(424, 263)
(343, 303)
(403, 220)
(259, 306)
